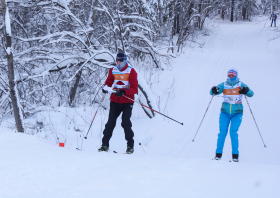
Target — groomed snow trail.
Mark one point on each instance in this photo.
(173, 165)
(249, 49)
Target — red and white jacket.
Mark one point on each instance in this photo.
(126, 79)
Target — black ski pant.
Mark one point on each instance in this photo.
(115, 111)
(273, 20)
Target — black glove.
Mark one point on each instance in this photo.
(119, 92)
(215, 90)
(104, 91)
(244, 90)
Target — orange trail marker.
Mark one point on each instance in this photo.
(61, 144)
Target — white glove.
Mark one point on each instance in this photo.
(107, 89)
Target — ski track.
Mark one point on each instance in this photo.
(173, 165)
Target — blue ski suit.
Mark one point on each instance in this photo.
(230, 113)
(273, 18)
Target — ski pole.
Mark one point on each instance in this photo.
(155, 111)
(203, 118)
(255, 122)
(95, 114)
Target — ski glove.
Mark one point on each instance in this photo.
(215, 90)
(107, 89)
(119, 92)
(244, 90)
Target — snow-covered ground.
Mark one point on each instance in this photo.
(167, 164)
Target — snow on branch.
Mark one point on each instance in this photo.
(88, 60)
(136, 18)
(149, 44)
(139, 26)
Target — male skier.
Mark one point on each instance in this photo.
(231, 111)
(273, 18)
(124, 79)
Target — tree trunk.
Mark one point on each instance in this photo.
(265, 8)
(11, 73)
(93, 20)
(223, 13)
(174, 25)
(160, 13)
(178, 24)
(147, 99)
(94, 11)
(190, 11)
(232, 10)
(74, 89)
(199, 17)
(244, 13)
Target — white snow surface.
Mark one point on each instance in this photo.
(167, 164)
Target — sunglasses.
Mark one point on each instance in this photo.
(231, 73)
(119, 59)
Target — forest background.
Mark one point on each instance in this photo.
(57, 53)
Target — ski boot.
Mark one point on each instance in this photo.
(235, 158)
(129, 150)
(218, 156)
(103, 148)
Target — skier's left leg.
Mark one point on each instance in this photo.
(126, 123)
(235, 124)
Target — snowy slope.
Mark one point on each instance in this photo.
(168, 163)
(31, 167)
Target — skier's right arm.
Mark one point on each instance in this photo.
(220, 87)
(110, 79)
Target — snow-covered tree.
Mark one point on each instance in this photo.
(10, 93)
(61, 50)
